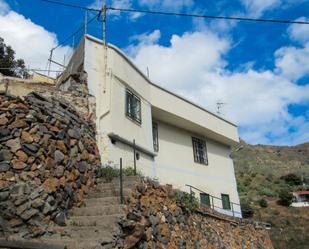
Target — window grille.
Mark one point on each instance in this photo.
(199, 151)
(133, 106)
(155, 137)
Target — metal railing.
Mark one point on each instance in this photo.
(212, 202)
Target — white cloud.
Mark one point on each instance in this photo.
(256, 8)
(193, 65)
(167, 4)
(30, 41)
(292, 62)
(299, 32)
(4, 7)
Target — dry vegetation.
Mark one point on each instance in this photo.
(259, 171)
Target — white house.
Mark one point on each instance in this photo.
(301, 199)
(177, 141)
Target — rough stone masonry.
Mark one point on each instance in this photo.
(46, 150)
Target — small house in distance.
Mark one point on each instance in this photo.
(175, 141)
(301, 199)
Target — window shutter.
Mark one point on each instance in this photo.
(226, 201)
(204, 198)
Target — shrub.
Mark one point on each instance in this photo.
(266, 191)
(108, 172)
(129, 171)
(246, 210)
(285, 197)
(189, 201)
(292, 179)
(263, 203)
(241, 188)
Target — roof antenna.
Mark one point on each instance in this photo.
(147, 71)
(219, 107)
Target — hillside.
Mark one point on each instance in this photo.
(259, 171)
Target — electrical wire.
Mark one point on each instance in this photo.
(76, 32)
(70, 5)
(206, 16)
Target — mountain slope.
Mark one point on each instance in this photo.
(259, 171)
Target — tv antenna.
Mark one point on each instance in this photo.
(219, 107)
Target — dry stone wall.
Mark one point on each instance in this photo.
(48, 155)
(155, 219)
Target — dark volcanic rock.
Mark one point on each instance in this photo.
(48, 156)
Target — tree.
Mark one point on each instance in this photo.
(246, 210)
(263, 203)
(10, 66)
(292, 179)
(286, 197)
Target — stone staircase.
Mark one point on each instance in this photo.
(95, 224)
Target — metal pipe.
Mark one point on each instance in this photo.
(134, 151)
(121, 183)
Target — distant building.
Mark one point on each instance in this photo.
(176, 141)
(301, 199)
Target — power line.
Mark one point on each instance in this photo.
(70, 5)
(76, 32)
(207, 16)
(235, 18)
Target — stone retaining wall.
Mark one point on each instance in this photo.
(48, 155)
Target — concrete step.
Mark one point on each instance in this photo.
(126, 179)
(98, 210)
(73, 243)
(91, 232)
(114, 186)
(109, 193)
(99, 220)
(104, 201)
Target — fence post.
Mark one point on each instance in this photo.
(134, 151)
(121, 183)
(212, 203)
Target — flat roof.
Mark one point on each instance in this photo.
(119, 51)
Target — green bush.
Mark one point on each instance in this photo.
(285, 197)
(129, 172)
(108, 172)
(266, 191)
(241, 188)
(246, 210)
(189, 201)
(263, 203)
(292, 179)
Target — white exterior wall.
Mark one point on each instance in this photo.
(177, 119)
(175, 164)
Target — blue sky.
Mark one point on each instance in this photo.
(260, 70)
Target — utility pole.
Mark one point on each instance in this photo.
(50, 60)
(105, 47)
(104, 23)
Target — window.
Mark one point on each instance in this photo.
(133, 106)
(199, 150)
(205, 199)
(155, 137)
(226, 201)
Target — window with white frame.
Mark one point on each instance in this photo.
(199, 150)
(155, 136)
(133, 106)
